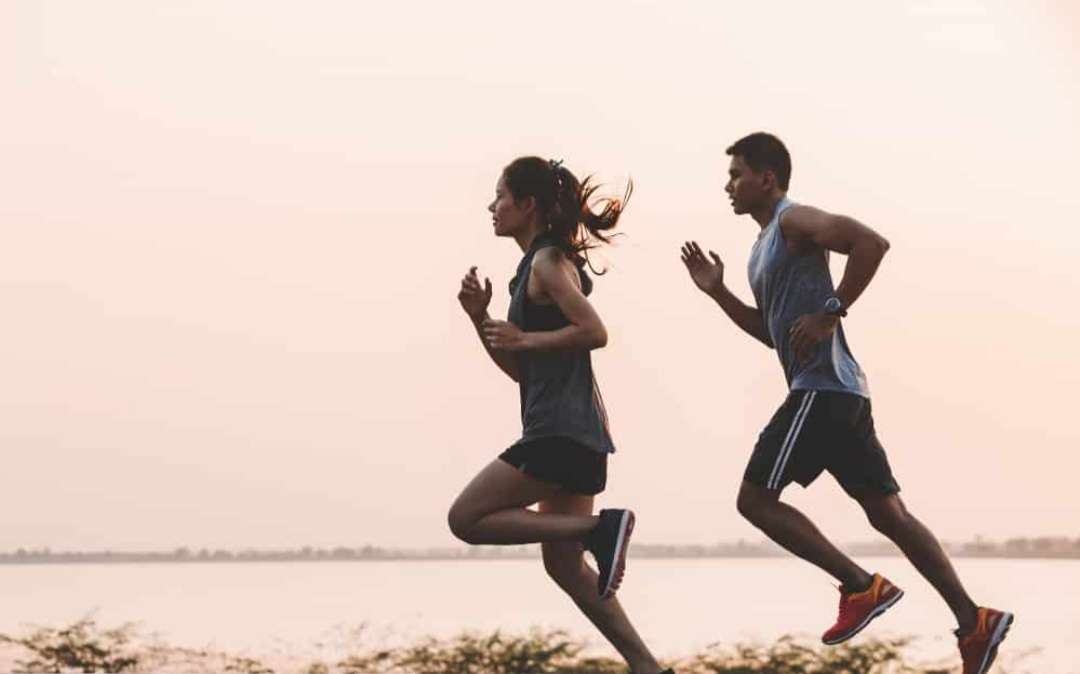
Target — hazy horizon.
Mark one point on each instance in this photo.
(234, 233)
(1054, 546)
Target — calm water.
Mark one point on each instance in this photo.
(310, 609)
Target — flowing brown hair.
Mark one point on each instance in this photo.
(563, 203)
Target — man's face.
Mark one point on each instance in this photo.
(745, 187)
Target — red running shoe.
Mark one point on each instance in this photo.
(979, 648)
(857, 609)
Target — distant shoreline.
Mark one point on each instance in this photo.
(1039, 548)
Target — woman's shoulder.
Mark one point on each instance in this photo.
(551, 257)
(553, 263)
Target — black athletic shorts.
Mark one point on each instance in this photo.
(570, 465)
(822, 430)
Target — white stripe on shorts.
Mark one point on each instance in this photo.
(789, 441)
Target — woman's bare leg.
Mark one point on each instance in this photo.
(493, 510)
(565, 564)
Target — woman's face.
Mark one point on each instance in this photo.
(509, 216)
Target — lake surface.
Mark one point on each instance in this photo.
(276, 610)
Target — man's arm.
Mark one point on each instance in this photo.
(863, 246)
(709, 277)
(746, 317)
(805, 225)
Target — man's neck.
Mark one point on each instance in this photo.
(764, 214)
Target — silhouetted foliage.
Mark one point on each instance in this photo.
(538, 652)
(81, 647)
(793, 656)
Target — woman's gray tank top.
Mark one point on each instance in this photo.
(559, 396)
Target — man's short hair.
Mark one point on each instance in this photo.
(763, 151)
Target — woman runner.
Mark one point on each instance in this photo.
(560, 462)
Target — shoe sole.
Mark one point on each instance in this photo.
(866, 621)
(618, 565)
(995, 640)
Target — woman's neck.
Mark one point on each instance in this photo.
(527, 235)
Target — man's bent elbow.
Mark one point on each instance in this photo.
(873, 246)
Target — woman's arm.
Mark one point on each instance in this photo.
(475, 300)
(586, 331)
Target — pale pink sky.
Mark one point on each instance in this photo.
(233, 234)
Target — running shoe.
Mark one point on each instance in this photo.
(857, 609)
(979, 648)
(608, 542)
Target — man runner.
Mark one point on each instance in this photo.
(825, 423)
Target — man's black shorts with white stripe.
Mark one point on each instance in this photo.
(815, 431)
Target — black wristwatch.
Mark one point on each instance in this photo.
(834, 307)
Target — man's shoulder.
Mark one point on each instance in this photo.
(796, 209)
(800, 221)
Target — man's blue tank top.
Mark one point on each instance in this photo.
(787, 286)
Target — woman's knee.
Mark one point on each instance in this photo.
(461, 522)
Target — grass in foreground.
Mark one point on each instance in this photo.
(84, 646)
